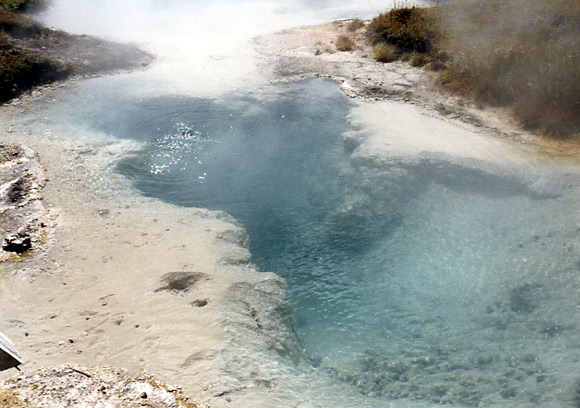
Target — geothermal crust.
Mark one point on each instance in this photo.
(310, 51)
(122, 280)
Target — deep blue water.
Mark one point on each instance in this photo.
(410, 278)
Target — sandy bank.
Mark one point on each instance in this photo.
(138, 284)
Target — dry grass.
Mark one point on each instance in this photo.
(524, 54)
(410, 29)
(418, 59)
(385, 53)
(355, 25)
(344, 43)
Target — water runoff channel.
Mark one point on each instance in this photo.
(423, 278)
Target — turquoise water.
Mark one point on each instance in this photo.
(413, 278)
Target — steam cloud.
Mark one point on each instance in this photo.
(523, 53)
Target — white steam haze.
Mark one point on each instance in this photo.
(202, 47)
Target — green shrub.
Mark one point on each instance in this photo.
(21, 72)
(8, 19)
(344, 43)
(20, 5)
(385, 53)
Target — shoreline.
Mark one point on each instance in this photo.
(35, 56)
(106, 278)
(106, 288)
(309, 52)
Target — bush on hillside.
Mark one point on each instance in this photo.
(20, 72)
(385, 53)
(355, 25)
(22, 5)
(344, 43)
(527, 58)
(410, 29)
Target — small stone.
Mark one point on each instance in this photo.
(144, 395)
(509, 393)
(103, 212)
(180, 281)
(199, 302)
(17, 243)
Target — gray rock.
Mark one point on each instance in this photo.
(17, 243)
(180, 281)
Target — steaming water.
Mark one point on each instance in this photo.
(417, 280)
(203, 46)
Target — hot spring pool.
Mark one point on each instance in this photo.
(416, 279)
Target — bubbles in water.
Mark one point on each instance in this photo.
(183, 148)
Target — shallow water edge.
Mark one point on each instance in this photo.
(106, 280)
(100, 295)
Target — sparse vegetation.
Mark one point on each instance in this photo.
(21, 5)
(12, 5)
(418, 59)
(355, 25)
(344, 43)
(19, 70)
(525, 56)
(385, 53)
(410, 29)
(31, 54)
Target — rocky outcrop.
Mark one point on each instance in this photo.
(23, 218)
(71, 386)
